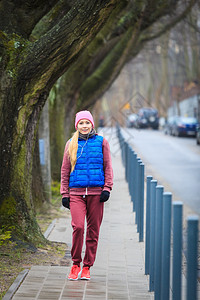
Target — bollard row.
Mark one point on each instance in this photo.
(163, 228)
(134, 175)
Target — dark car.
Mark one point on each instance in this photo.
(184, 126)
(198, 134)
(148, 117)
(131, 120)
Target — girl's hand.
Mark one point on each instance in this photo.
(104, 196)
(66, 202)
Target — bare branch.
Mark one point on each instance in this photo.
(192, 25)
(168, 26)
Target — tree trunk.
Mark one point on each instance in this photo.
(17, 144)
(57, 130)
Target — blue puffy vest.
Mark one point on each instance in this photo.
(88, 171)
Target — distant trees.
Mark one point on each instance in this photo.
(170, 61)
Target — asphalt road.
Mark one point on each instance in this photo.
(174, 160)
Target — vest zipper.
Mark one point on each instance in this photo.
(85, 193)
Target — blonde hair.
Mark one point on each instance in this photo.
(72, 150)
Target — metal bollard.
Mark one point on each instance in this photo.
(166, 239)
(134, 180)
(152, 234)
(138, 194)
(129, 168)
(124, 158)
(177, 250)
(141, 203)
(137, 211)
(123, 152)
(136, 189)
(132, 175)
(147, 237)
(128, 163)
(158, 241)
(192, 257)
(122, 149)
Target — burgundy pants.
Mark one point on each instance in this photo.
(91, 208)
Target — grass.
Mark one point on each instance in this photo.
(16, 256)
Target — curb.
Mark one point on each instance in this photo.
(50, 228)
(13, 288)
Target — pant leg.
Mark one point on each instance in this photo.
(78, 213)
(94, 219)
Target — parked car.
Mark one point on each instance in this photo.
(184, 126)
(131, 120)
(198, 134)
(148, 117)
(169, 124)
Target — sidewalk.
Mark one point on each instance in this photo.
(118, 272)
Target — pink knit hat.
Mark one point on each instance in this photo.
(84, 114)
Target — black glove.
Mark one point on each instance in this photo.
(65, 202)
(104, 196)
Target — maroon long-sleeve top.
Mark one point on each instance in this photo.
(66, 170)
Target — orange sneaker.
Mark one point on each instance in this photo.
(85, 274)
(74, 273)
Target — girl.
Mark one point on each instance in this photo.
(86, 182)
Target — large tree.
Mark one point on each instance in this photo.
(28, 70)
(40, 41)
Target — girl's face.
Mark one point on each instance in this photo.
(84, 126)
